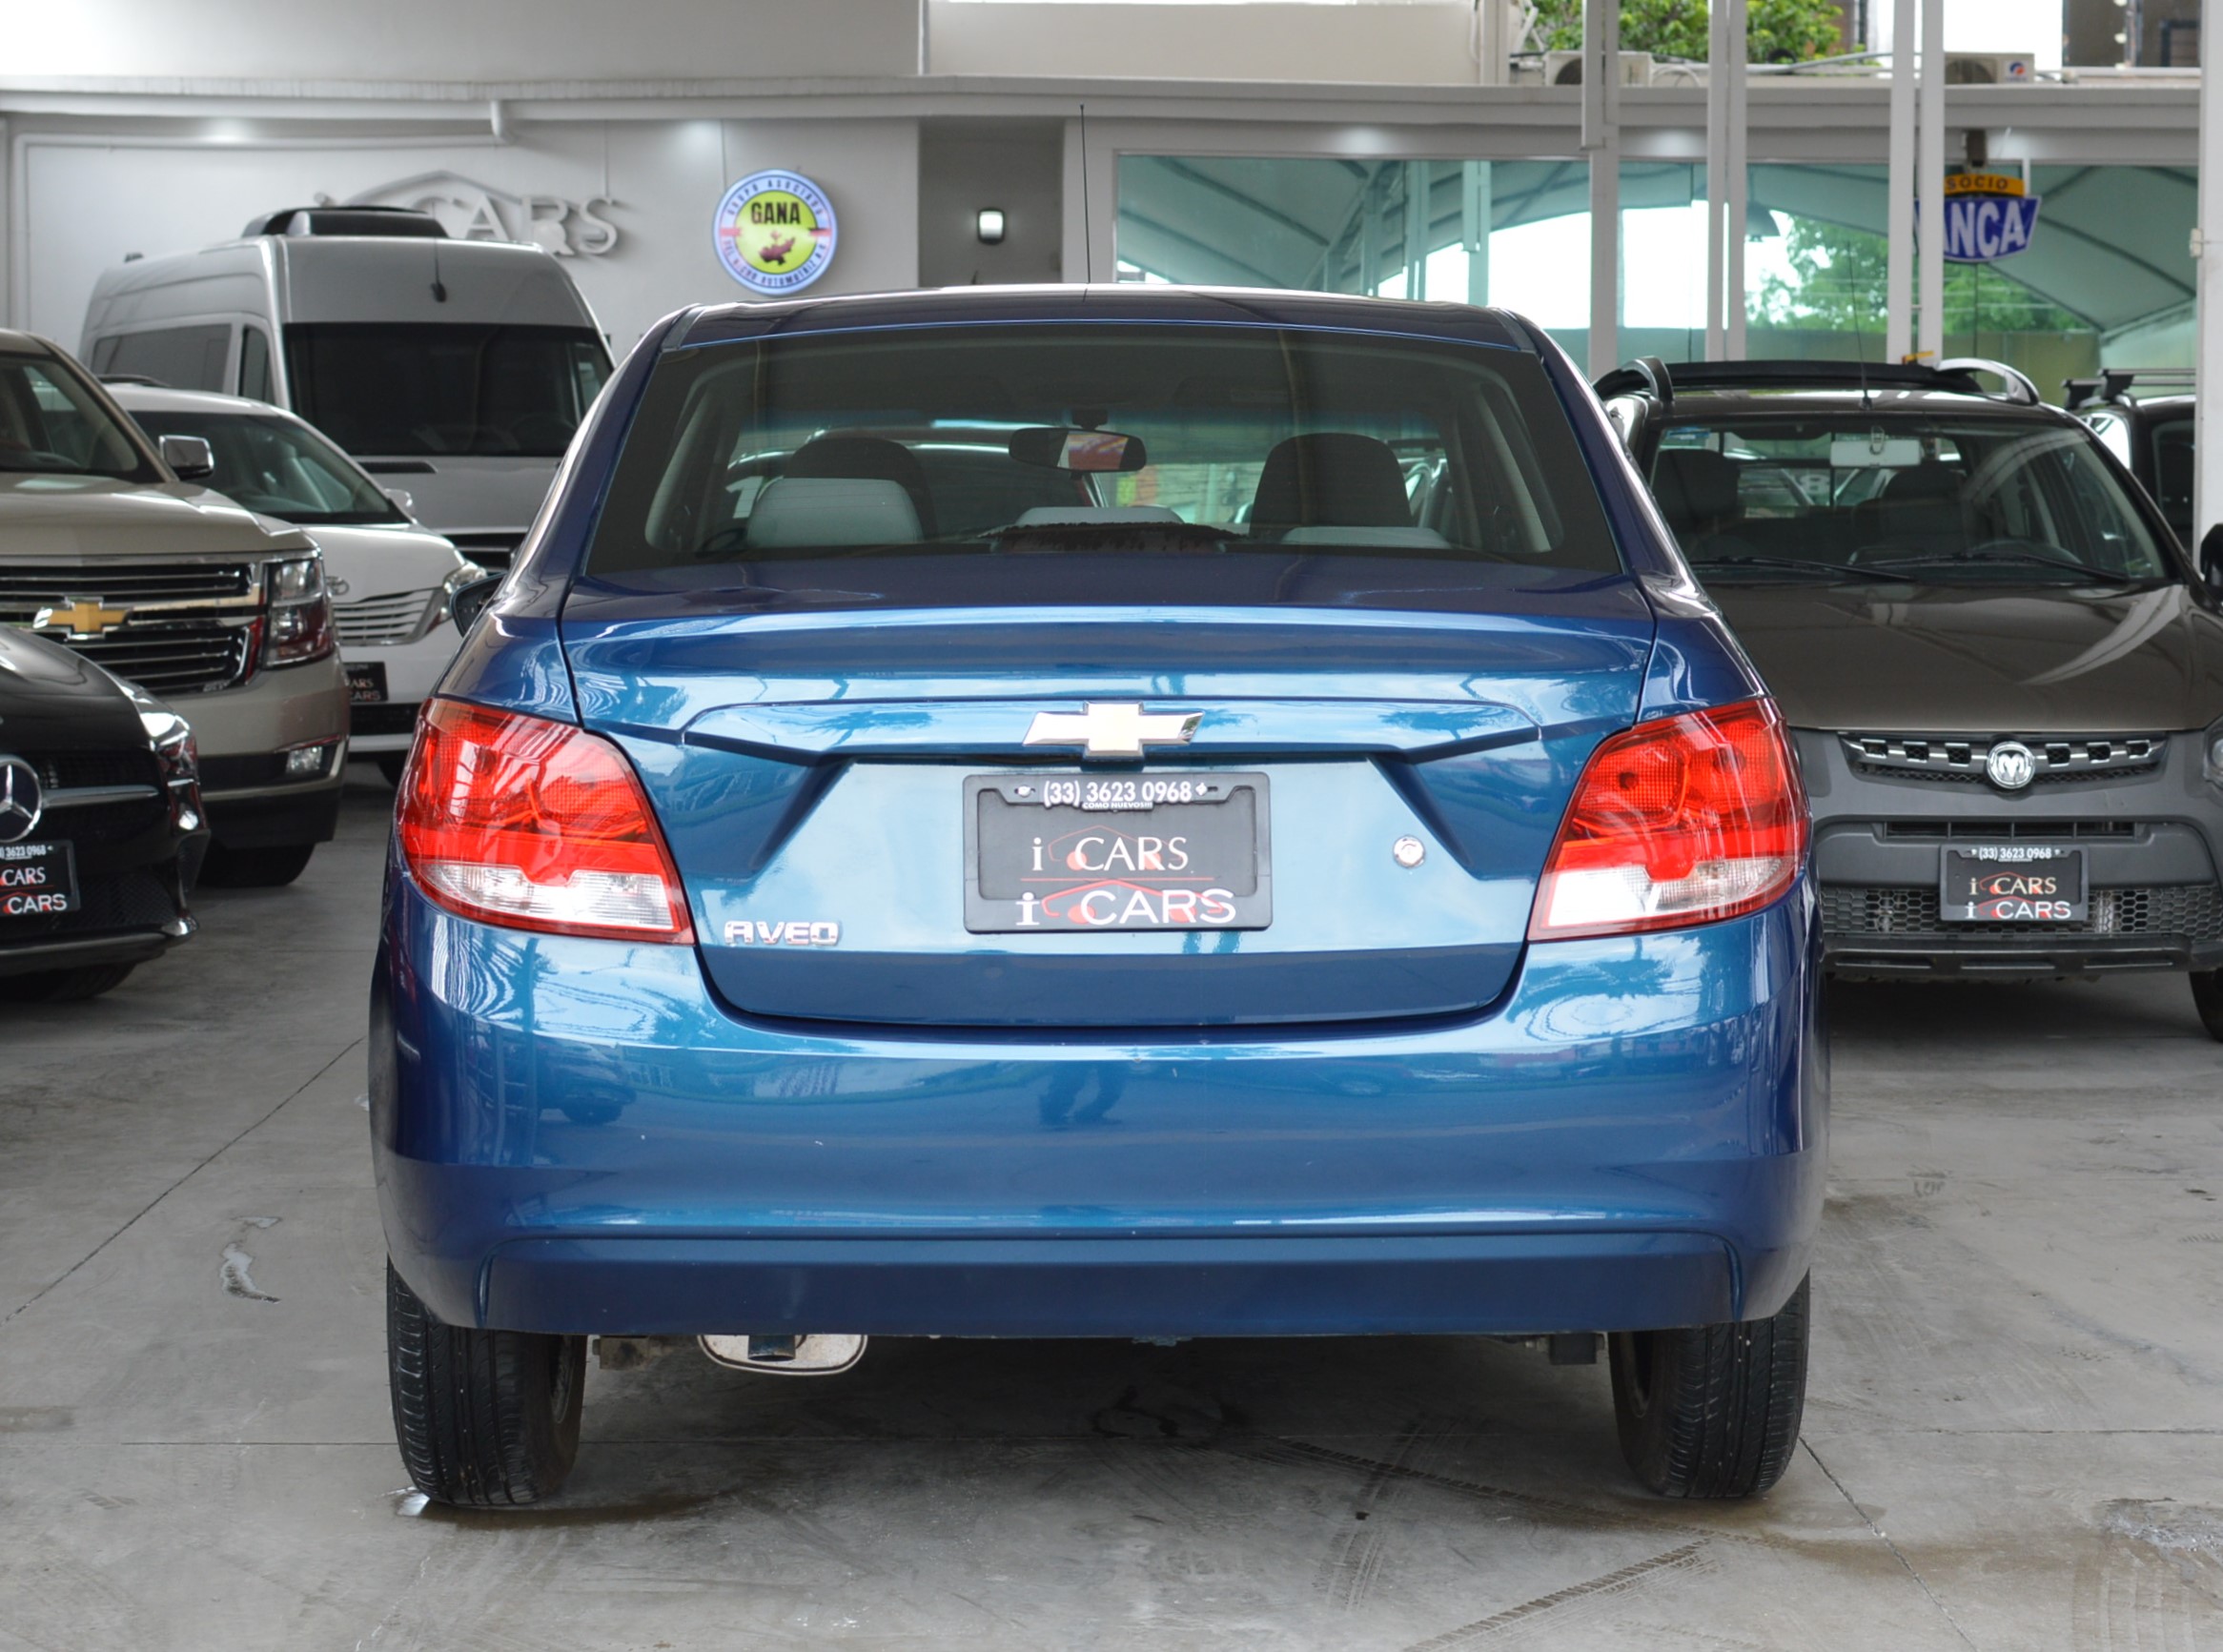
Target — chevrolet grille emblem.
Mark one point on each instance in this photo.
(1113, 730)
(84, 617)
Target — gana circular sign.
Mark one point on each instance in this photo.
(775, 233)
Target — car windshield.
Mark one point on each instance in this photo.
(279, 466)
(447, 388)
(1889, 497)
(51, 423)
(1094, 439)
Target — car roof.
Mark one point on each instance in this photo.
(1118, 301)
(161, 398)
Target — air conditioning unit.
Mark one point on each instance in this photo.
(1991, 68)
(1565, 69)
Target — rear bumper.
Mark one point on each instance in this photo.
(574, 1136)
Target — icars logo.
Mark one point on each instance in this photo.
(774, 232)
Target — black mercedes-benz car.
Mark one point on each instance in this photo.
(2004, 673)
(101, 831)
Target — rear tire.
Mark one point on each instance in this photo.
(1712, 1411)
(2208, 999)
(63, 985)
(484, 1419)
(271, 867)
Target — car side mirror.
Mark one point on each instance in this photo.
(403, 499)
(470, 602)
(2211, 556)
(190, 457)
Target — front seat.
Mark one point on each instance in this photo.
(867, 459)
(1697, 490)
(1330, 480)
(1918, 514)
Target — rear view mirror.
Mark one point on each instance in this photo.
(470, 602)
(189, 457)
(1874, 451)
(1058, 447)
(2211, 556)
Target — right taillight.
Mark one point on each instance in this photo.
(1686, 820)
(535, 824)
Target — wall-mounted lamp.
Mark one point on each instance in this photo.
(989, 225)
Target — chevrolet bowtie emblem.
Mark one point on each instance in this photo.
(1113, 730)
(84, 617)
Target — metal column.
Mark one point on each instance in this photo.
(1420, 183)
(2207, 245)
(1726, 178)
(1601, 143)
(1476, 211)
(1930, 185)
(1899, 210)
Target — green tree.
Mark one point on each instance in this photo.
(1775, 31)
(1839, 281)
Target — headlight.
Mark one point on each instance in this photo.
(177, 759)
(468, 574)
(298, 627)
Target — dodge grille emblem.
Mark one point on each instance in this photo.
(2010, 766)
(20, 802)
(1111, 729)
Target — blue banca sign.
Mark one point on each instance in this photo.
(1988, 215)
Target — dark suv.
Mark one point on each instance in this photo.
(2003, 675)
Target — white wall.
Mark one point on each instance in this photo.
(1020, 169)
(456, 40)
(664, 180)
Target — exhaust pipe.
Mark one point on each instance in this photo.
(784, 1354)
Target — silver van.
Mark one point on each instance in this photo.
(452, 371)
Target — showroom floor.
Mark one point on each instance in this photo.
(2014, 1434)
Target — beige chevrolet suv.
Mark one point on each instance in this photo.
(113, 547)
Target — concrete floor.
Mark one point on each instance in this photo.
(2014, 1436)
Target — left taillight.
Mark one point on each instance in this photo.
(534, 825)
(1685, 819)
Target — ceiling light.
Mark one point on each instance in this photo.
(989, 225)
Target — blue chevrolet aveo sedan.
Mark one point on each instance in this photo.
(1097, 813)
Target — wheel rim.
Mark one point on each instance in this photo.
(1638, 1367)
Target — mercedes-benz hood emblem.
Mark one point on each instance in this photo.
(21, 801)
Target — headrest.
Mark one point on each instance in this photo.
(1926, 482)
(798, 511)
(1694, 485)
(867, 458)
(1331, 480)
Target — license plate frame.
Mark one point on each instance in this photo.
(2018, 884)
(366, 682)
(1004, 811)
(17, 861)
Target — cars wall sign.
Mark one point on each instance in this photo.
(1988, 215)
(774, 232)
(475, 212)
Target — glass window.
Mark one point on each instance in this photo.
(49, 422)
(180, 357)
(280, 467)
(255, 364)
(446, 388)
(942, 440)
(2173, 473)
(1951, 499)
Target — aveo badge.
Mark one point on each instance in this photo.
(775, 233)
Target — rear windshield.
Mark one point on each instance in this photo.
(1097, 438)
(1873, 497)
(49, 422)
(280, 467)
(446, 388)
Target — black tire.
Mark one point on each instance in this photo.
(268, 867)
(1712, 1411)
(63, 985)
(391, 764)
(2208, 999)
(484, 1419)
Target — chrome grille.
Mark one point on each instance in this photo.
(1951, 758)
(182, 626)
(2192, 911)
(384, 621)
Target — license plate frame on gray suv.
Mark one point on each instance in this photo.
(1165, 850)
(2014, 883)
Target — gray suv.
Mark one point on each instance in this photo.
(2004, 675)
(113, 548)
